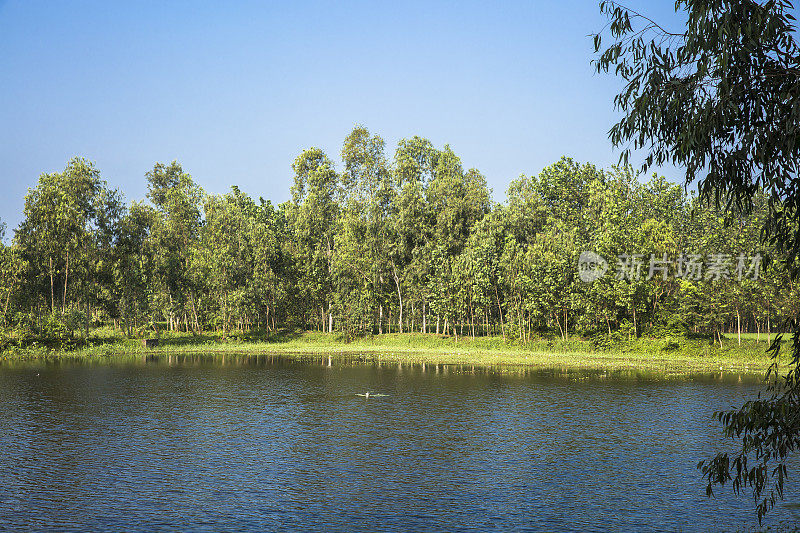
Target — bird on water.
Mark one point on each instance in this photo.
(370, 394)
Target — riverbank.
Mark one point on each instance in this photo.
(673, 355)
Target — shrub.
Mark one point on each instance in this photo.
(54, 329)
(5, 341)
(24, 334)
(669, 345)
(74, 320)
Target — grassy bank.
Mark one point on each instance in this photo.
(674, 356)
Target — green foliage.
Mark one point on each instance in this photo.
(55, 329)
(6, 342)
(395, 245)
(720, 100)
(237, 260)
(174, 229)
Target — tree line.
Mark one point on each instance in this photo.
(405, 243)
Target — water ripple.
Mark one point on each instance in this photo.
(290, 447)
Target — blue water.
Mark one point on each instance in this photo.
(266, 444)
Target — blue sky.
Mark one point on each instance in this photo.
(235, 90)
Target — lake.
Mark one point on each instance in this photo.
(264, 443)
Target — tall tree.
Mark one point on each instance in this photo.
(457, 200)
(365, 222)
(313, 216)
(177, 201)
(236, 258)
(133, 266)
(11, 274)
(415, 161)
(61, 214)
(720, 98)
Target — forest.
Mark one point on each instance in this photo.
(408, 242)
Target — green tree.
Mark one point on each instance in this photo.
(237, 258)
(364, 252)
(175, 230)
(457, 200)
(12, 270)
(720, 99)
(412, 219)
(482, 270)
(133, 266)
(63, 214)
(313, 216)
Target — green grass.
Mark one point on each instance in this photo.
(753, 336)
(676, 356)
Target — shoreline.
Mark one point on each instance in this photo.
(667, 356)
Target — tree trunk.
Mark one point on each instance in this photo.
(66, 278)
(8, 298)
(530, 327)
(500, 311)
(769, 342)
(558, 323)
(739, 326)
(472, 320)
(399, 299)
(194, 313)
(52, 294)
(86, 323)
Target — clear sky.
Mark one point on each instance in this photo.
(235, 90)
